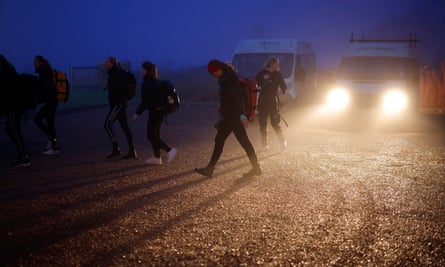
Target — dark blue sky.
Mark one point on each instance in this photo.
(179, 33)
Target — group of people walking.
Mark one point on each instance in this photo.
(11, 105)
(151, 100)
(232, 113)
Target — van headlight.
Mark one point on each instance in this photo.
(337, 99)
(394, 101)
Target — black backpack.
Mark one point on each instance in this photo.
(130, 84)
(170, 97)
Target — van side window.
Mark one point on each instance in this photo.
(308, 62)
(300, 72)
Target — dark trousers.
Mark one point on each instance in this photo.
(155, 119)
(225, 127)
(47, 113)
(14, 130)
(118, 112)
(266, 112)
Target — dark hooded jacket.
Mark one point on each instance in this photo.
(9, 93)
(117, 82)
(47, 89)
(231, 100)
(268, 95)
(151, 95)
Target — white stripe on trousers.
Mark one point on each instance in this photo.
(111, 118)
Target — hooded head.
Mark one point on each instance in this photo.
(215, 67)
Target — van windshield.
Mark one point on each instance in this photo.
(374, 68)
(251, 64)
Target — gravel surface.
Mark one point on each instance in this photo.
(333, 198)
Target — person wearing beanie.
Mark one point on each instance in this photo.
(233, 118)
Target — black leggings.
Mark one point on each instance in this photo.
(155, 119)
(118, 112)
(47, 112)
(225, 127)
(14, 130)
(269, 111)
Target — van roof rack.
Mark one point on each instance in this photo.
(412, 40)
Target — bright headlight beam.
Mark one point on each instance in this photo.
(337, 99)
(394, 101)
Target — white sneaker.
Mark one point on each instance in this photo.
(51, 152)
(284, 145)
(154, 161)
(171, 154)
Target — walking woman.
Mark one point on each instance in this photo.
(118, 100)
(11, 106)
(233, 118)
(270, 81)
(152, 100)
(48, 97)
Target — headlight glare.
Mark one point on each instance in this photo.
(394, 101)
(337, 99)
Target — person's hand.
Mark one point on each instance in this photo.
(135, 117)
(245, 123)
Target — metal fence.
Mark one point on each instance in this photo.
(90, 77)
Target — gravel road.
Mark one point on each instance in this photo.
(335, 197)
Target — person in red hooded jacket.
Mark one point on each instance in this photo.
(233, 118)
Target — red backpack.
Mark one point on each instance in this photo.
(249, 92)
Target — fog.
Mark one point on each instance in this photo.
(181, 34)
